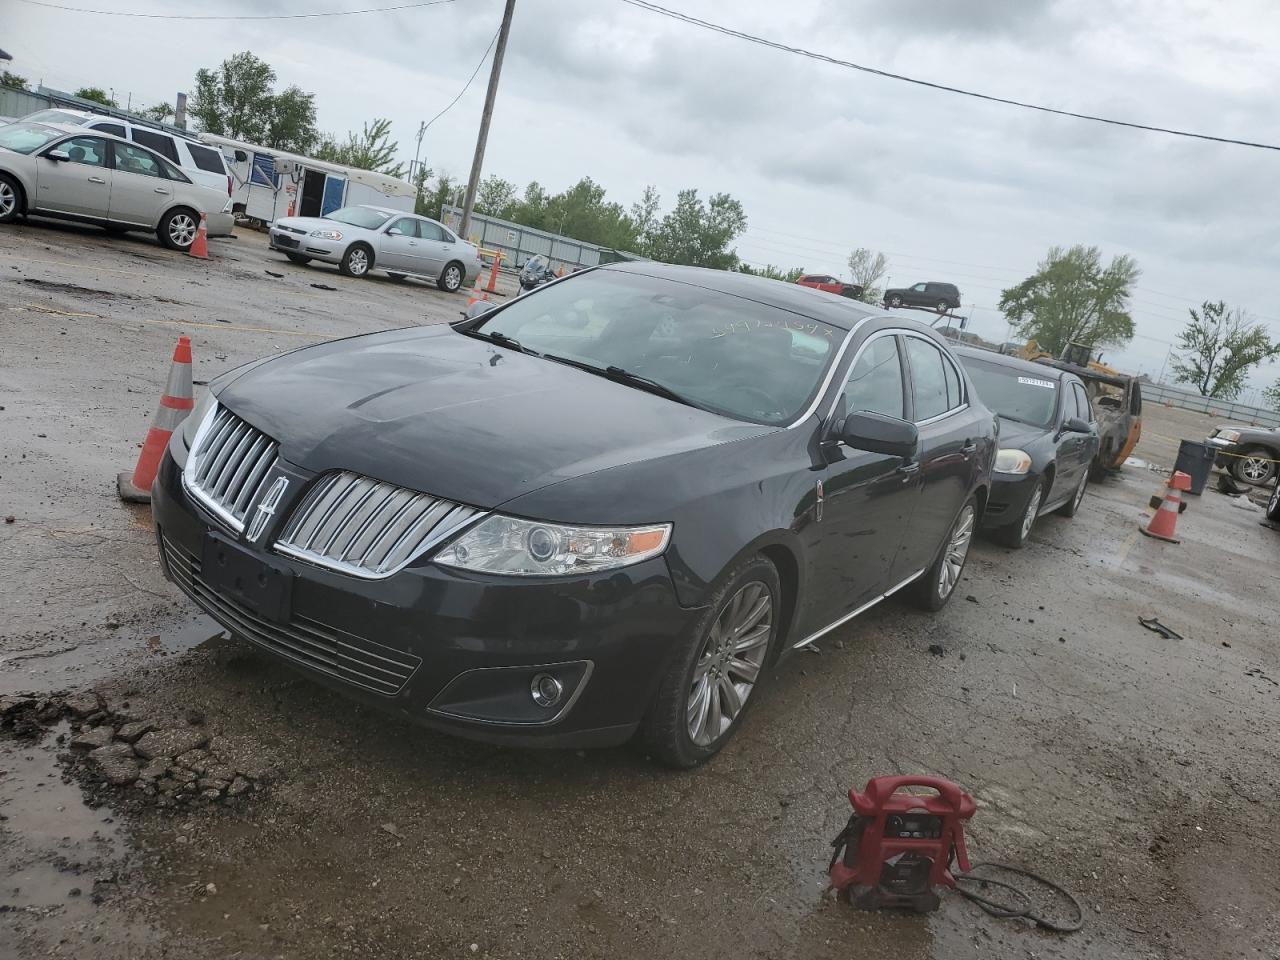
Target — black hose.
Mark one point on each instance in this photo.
(1007, 912)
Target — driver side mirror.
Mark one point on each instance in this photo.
(57, 155)
(1076, 425)
(876, 433)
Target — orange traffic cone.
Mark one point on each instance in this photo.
(1166, 519)
(200, 245)
(476, 293)
(175, 404)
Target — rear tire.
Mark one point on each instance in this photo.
(298, 258)
(451, 277)
(894, 301)
(11, 199)
(177, 229)
(723, 661)
(1254, 466)
(357, 261)
(1015, 535)
(942, 306)
(1072, 506)
(935, 586)
(1273, 505)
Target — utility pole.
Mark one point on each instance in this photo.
(414, 168)
(473, 183)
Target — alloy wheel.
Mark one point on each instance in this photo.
(1033, 511)
(182, 229)
(729, 662)
(1273, 506)
(452, 278)
(358, 262)
(1256, 469)
(8, 199)
(957, 550)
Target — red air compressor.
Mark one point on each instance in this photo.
(898, 847)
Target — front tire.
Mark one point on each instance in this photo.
(1015, 535)
(894, 301)
(709, 686)
(298, 258)
(177, 229)
(938, 583)
(451, 278)
(357, 261)
(942, 306)
(10, 199)
(1273, 505)
(1254, 466)
(1072, 506)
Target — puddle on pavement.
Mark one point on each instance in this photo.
(51, 843)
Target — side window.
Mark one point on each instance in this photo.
(955, 388)
(161, 143)
(91, 151)
(919, 287)
(928, 378)
(116, 129)
(1083, 411)
(206, 159)
(404, 227)
(875, 382)
(429, 231)
(131, 159)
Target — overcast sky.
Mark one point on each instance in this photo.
(823, 158)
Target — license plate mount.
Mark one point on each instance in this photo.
(234, 572)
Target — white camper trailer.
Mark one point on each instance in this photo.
(267, 184)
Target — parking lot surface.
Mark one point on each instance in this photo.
(1138, 771)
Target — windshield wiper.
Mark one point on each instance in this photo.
(502, 340)
(624, 376)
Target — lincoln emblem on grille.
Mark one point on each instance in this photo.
(266, 508)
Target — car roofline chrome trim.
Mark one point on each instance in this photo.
(862, 609)
(830, 375)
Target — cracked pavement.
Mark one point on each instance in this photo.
(1139, 772)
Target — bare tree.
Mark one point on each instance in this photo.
(1218, 347)
(866, 267)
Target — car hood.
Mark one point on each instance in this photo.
(313, 223)
(433, 410)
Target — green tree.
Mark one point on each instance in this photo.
(97, 95)
(771, 272)
(161, 112)
(13, 80)
(697, 234)
(531, 209)
(866, 267)
(1219, 346)
(1271, 396)
(645, 211)
(432, 196)
(371, 149)
(583, 212)
(237, 100)
(495, 196)
(1072, 298)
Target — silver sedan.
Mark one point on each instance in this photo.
(50, 170)
(363, 238)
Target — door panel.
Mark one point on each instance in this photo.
(139, 189)
(398, 246)
(81, 185)
(436, 248)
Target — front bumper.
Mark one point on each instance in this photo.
(1008, 498)
(448, 649)
(286, 241)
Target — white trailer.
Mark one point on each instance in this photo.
(268, 183)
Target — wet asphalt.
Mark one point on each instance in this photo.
(1139, 771)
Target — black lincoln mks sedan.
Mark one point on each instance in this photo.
(1048, 439)
(601, 510)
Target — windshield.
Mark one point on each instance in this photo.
(27, 137)
(56, 116)
(1013, 393)
(724, 354)
(365, 217)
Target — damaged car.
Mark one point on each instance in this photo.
(601, 511)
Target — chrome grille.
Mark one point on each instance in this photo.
(228, 466)
(369, 528)
(311, 643)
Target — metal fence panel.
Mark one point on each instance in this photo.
(519, 242)
(1226, 409)
(19, 103)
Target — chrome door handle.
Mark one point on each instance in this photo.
(969, 447)
(413, 243)
(910, 467)
(162, 190)
(96, 180)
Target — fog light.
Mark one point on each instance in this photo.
(546, 690)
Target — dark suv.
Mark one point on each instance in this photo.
(937, 296)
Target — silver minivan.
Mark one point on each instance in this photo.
(203, 164)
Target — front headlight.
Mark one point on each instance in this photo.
(529, 548)
(1231, 436)
(1012, 461)
(327, 234)
(197, 416)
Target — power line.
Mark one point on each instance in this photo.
(250, 16)
(474, 73)
(848, 64)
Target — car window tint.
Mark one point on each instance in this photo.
(405, 226)
(919, 287)
(173, 172)
(928, 378)
(955, 390)
(875, 382)
(206, 159)
(1082, 403)
(161, 143)
(91, 151)
(115, 129)
(429, 231)
(131, 159)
